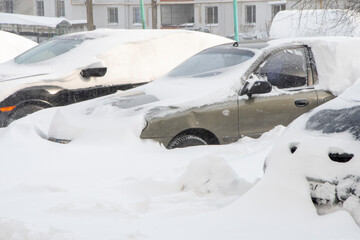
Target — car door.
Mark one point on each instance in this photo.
(289, 72)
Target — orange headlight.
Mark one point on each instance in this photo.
(7, 109)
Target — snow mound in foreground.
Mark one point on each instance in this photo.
(212, 174)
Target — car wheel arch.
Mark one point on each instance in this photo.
(33, 102)
(204, 134)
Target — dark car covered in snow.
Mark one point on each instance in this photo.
(278, 84)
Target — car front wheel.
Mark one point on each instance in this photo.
(186, 141)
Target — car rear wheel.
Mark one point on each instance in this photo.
(186, 141)
(24, 111)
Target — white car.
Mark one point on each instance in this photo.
(325, 143)
(80, 66)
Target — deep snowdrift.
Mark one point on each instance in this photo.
(109, 184)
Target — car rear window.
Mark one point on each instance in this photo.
(212, 59)
(336, 121)
(47, 50)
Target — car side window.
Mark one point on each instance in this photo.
(285, 68)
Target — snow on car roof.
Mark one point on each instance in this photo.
(337, 60)
(131, 56)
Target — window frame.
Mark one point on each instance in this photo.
(136, 14)
(62, 8)
(250, 19)
(309, 66)
(214, 12)
(113, 17)
(282, 7)
(40, 8)
(9, 6)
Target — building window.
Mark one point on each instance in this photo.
(250, 14)
(136, 15)
(9, 6)
(113, 15)
(277, 8)
(60, 10)
(211, 15)
(174, 15)
(40, 8)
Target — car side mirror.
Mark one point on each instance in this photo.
(258, 87)
(93, 72)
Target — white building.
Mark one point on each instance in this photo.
(216, 16)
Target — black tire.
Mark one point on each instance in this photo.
(186, 141)
(24, 111)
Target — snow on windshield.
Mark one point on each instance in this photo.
(211, 60)
(47, 50)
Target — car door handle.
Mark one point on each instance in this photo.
(301, 102)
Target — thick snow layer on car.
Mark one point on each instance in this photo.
(12, 45)
(131, 56)
(313, 23)
(325, 143)
(336, 60)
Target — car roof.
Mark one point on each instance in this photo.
(257, 44)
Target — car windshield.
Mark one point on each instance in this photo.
(47, 50)
(212, 59)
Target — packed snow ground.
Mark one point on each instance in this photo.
(109, 184)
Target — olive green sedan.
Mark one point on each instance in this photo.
(268, 85)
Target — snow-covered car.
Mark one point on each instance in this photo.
(227, 92)
(81, 66)
(325, 145)
(12, 45)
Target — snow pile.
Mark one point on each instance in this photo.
(107, 183)
(211, 175)
(313, 23)
(12, 45)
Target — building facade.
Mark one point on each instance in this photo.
(215, 16)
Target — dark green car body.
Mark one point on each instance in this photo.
(289, 92)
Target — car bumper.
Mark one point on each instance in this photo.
(4, 119)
